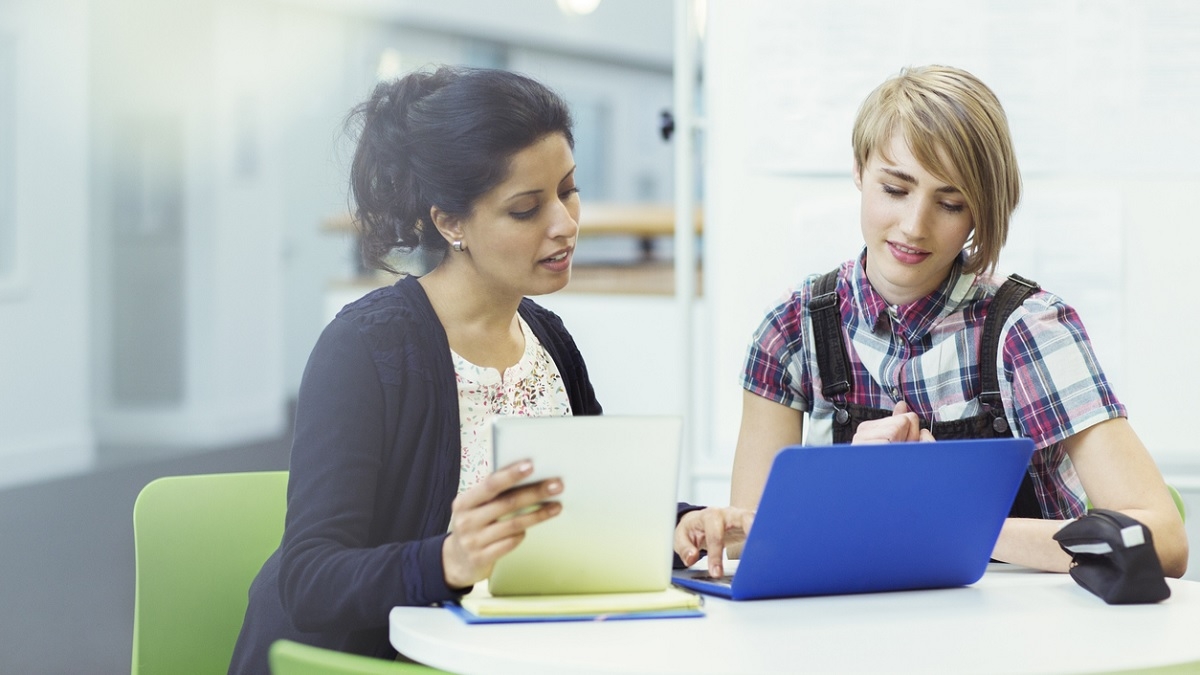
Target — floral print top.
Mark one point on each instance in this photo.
(532, 387)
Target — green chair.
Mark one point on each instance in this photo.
(293, 658)
(1190, 668)
(199, 541)
(1178, 502)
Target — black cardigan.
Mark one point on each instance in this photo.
(374, 469)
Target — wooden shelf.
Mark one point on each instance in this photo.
(656, 278)
(596, 219)
(638, 220)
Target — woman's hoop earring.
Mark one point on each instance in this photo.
(458, 246)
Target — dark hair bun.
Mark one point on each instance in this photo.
(440, 138)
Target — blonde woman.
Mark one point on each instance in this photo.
(895, 344)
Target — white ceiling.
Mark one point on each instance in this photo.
(625, 30)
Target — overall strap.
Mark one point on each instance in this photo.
(832, 358)
(1010, 296)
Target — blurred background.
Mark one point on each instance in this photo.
(174, 236)
(174, 231)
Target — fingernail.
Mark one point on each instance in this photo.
(554, 487)
(525, 467)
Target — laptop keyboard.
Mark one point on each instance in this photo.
(701, 575)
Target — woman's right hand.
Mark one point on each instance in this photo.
(480, 532)
(712, 529)
(902, 426)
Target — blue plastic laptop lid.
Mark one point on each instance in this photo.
(864, 518)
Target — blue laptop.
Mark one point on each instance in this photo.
(865, 518)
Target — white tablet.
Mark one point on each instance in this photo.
(615, 532)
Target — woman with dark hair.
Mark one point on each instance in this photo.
(391, 496)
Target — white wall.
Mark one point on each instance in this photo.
(311, 96)
(45, 426)
(204, 286)
(638, 164)
(1098, 96)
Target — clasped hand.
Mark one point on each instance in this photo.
(902, 426)
(490, 519)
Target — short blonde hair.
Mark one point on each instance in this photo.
(955, 126)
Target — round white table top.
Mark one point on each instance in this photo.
(1014, 620)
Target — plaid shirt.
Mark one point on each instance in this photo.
(925, 354)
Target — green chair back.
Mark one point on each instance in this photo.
(1190, 668)
(199, 541)
(293, 658)
(1178, 502)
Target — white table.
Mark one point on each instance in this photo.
(1013, 620)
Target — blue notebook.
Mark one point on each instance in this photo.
(865, 518)
(538, 618)
(480, 606)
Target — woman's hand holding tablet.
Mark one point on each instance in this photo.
(490, 519)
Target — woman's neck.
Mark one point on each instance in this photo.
(481, 326)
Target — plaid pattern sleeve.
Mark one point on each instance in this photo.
(1058, 387)
(775, 365)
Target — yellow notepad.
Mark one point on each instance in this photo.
(482, 603)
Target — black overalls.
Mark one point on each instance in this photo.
(834, 364)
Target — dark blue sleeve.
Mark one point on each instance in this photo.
(335, 574)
